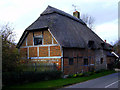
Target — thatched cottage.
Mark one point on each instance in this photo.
(60, 38)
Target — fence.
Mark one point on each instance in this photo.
(39, 66)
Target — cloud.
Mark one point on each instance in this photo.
(13, 10)
(24, 12)
(108, 31)
(18, 34)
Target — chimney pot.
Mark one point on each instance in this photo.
(105, 41)
(76, 14)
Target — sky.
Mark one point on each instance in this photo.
(21, 13)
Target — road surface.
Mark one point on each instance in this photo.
(109, 81)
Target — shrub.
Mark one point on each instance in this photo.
(86, 74)
(23, 77)
(70, 76)
(92, 73)
(117, 65)
(74, 75)
(97, 71)
(80, 74)
(101, 70)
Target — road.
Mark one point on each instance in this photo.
(109, 81)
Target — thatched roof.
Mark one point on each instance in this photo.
(68, 30)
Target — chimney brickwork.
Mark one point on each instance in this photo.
(76, 14)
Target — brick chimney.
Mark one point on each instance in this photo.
(76, 14)
(105, 41)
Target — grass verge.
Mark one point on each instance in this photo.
(60, 82)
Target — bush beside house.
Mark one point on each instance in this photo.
(10, 78)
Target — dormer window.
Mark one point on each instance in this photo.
(38, 40)
(103, 44)
(91, 44)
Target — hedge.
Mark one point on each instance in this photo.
(10, 78)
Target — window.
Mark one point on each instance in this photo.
(38, 40)
(101, 60)
(85, 61)
(103, 44)
(91, 44)
(70, 61)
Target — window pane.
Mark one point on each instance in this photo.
(37, 41)
(85, 61)
(70, 61)
(101, 60)
(90, 44)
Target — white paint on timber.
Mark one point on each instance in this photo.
(38, 51)
(48, 51)
(40, 45)
(23, 37)
(53, 36)
(33, 39)
(45, 57)
(28, 52)
(115, 54)
(42, 38)
(52, 41)
(91, 64)
(45, 60)
(26, 41)
(106, 65)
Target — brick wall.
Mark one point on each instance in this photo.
(55, 51)
(110, 60)
(93, 57)
(49, 60)
(47, 37)
(23, 52)
(24, 43)
(98, 55)
(37, 33)
(54, 41)
(30, 39)
(32, 51)
(78, 56)
(43, 51)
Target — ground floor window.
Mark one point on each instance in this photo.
(71, 61)
(85, 61)
(101, 60)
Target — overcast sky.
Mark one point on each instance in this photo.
(21, 13)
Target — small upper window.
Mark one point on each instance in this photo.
(91, 44)
(70, 61)
(85, 61)
(103, 44)
(101, 60)
(38, 40)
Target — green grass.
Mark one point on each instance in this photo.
(61, 82)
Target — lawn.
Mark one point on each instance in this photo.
(61, 82)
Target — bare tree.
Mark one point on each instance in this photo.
(117, 47)
(6, 31)
(89, 20)
(10, 55)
